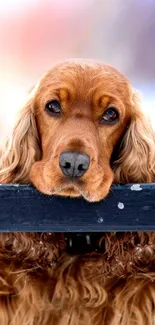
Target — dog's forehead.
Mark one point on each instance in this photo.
(85, 75)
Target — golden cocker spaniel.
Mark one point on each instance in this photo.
(80, 130)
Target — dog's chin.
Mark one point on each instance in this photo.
(74, 192)
(68, 192)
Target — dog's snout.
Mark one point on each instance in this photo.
(73, 163)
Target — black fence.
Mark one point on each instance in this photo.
(128, 207)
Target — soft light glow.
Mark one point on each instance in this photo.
(13, 4)
(12, 98)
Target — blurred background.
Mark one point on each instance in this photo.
(35, 34)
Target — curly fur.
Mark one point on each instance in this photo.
(136, 161)
(40, 283)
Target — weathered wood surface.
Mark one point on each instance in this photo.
(127, 208)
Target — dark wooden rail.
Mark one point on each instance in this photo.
(127, 208)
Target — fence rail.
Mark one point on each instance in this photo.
(128, 207)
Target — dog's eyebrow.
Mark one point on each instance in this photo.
(62, 91)
(105, 100)
(64, 94)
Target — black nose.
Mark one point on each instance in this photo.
(73, 163)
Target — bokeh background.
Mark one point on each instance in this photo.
(34, 34)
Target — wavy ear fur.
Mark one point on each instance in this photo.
(136, 161)
(22, 148)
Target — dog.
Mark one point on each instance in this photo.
(81, 130)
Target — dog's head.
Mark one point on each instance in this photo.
(80, 130)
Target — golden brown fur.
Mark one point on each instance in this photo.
(40, 283)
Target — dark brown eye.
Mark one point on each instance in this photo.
(53, 108)
(110, 116)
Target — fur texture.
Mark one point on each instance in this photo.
(40, 283)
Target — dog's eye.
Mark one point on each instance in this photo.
(53, 107)
(110, 116)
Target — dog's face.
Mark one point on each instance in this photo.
(80, 130)
(82, 112)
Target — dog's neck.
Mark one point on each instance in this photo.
(119, 253)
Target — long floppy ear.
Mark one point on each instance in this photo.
(136, 161)
(21, 150)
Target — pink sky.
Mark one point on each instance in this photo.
(34, 34)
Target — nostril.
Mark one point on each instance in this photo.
(81, 167)
(67, 165)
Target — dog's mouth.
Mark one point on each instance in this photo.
(92, 188)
